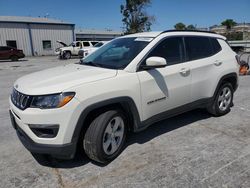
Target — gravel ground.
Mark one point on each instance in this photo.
(190, 150)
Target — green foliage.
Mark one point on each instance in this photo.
(229, 23)
(234, 36)
(231, 35)
(135, 18)
(191, 27)
(180, 26)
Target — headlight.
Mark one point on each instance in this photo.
(52, 101)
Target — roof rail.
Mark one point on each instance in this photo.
(174, 30)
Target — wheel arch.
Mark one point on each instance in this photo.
(231, 78)
(13, 55)
(126, 104)
(65, 51)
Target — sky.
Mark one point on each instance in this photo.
(105, 14)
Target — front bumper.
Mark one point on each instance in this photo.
(64, 151)
(63, 144)
(58, 52)
(81, 54)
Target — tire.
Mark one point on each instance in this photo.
(105, 137)
(66, 55)
(14, 58)
(223, 100)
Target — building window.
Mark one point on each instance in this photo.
(11, 43)
(47, 45)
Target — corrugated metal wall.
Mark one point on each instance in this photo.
(39, 33)
(17, 32)
(53, 33)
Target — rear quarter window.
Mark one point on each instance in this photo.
(215, 45)
(94, 43)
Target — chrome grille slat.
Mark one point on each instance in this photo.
(20, 100)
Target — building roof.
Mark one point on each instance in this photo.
(97, 32)
(35, 20)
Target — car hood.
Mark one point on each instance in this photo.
(58, 79)
(62, 43)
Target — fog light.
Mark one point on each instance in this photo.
(44, 130)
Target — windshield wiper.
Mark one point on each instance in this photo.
(91, 63)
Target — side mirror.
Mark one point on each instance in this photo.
(73, 45)
(154, 62)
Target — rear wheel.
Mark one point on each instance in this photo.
(223, 100)
(105, 137)
(14, 58)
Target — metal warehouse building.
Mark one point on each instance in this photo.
(91, 34)
(35, 36)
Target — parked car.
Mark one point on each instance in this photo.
(67, 51)
(126, 85)
(88, 50)
(7, 52)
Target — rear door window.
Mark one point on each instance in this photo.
(86, 44)
(198, 47)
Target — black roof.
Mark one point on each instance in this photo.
(198, 31)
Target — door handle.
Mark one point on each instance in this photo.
(217, 63)
(184, 71)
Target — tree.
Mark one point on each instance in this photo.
(135, 18)
(191, 27)
(229, 23)
(180, 26)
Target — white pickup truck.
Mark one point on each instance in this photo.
(67, 51)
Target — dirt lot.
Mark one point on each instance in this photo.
(190, 150)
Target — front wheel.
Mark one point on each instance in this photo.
(223, 100)
(14, 58)
(66, 55)
(105, 137)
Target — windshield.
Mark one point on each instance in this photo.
(72, 44)
(99, 44)
(117, 54)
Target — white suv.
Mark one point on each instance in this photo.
(126, 85)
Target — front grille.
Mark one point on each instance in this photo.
(20, 100)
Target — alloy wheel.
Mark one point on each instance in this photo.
(113, 135)
(224, 99)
